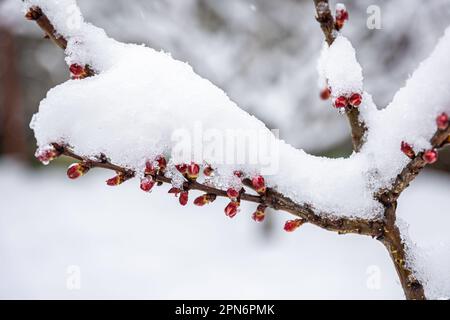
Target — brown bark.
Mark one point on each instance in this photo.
(12, 114)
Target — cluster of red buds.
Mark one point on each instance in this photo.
(46, 155)
(77, 170)
(156, 167)
(341, 16)
(341, 102)
(78, 71)
(429, 156)
(354, 100)
(292, 225)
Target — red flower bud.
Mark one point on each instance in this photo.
(115, 181)
(174, 191)
(259, 214)
(340, 102)
(182, 168)
(162, 163)
(147, 184)
(208, 171)
(47, 155)
(150, 168)
(232, 193)
(430, 156)
(77, 71)
(238, 173)
(355, 99)
(184, 197)
(204, 199)
(407, 150)
(77, 170)
(341, 16)
(442, 121)
(231, 209)
(325, 94)
(292, 225)
(259, 184)
(193, 171)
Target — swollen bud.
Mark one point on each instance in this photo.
(77, 170)
(340, 102)
(442, 121)
(208, 171)
(116, 180)
(238, 174)
(430, 156)
(341, 16)
(325, 94)
(204, 199)
(260, 213)
(184, 197)
(293, 225)
(77, 71)
(232, 193)
(47, 155)
(162, 163)
(407, 150)
(147, 184)
(193, 171)
(174, 191)
(182, 168)
(232, 209)
(355, 99)
(259, 184)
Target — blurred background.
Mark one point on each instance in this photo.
(120, 243)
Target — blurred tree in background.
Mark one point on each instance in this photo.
(261, 52)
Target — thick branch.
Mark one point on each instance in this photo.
(393, 242)
(392, 237)
(326, 20)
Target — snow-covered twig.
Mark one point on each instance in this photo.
(328, 26)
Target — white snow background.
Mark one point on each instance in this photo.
(129, 244)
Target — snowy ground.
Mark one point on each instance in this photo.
(127, 244)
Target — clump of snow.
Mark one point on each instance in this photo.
(411, 116)
(339, 68)
(144, 103)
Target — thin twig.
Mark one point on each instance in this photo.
(271, 198)
(326, 20)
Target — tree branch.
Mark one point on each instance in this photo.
(271, 199)
(392, 239)
(327, 24)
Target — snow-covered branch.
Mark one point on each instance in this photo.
(143, 114)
